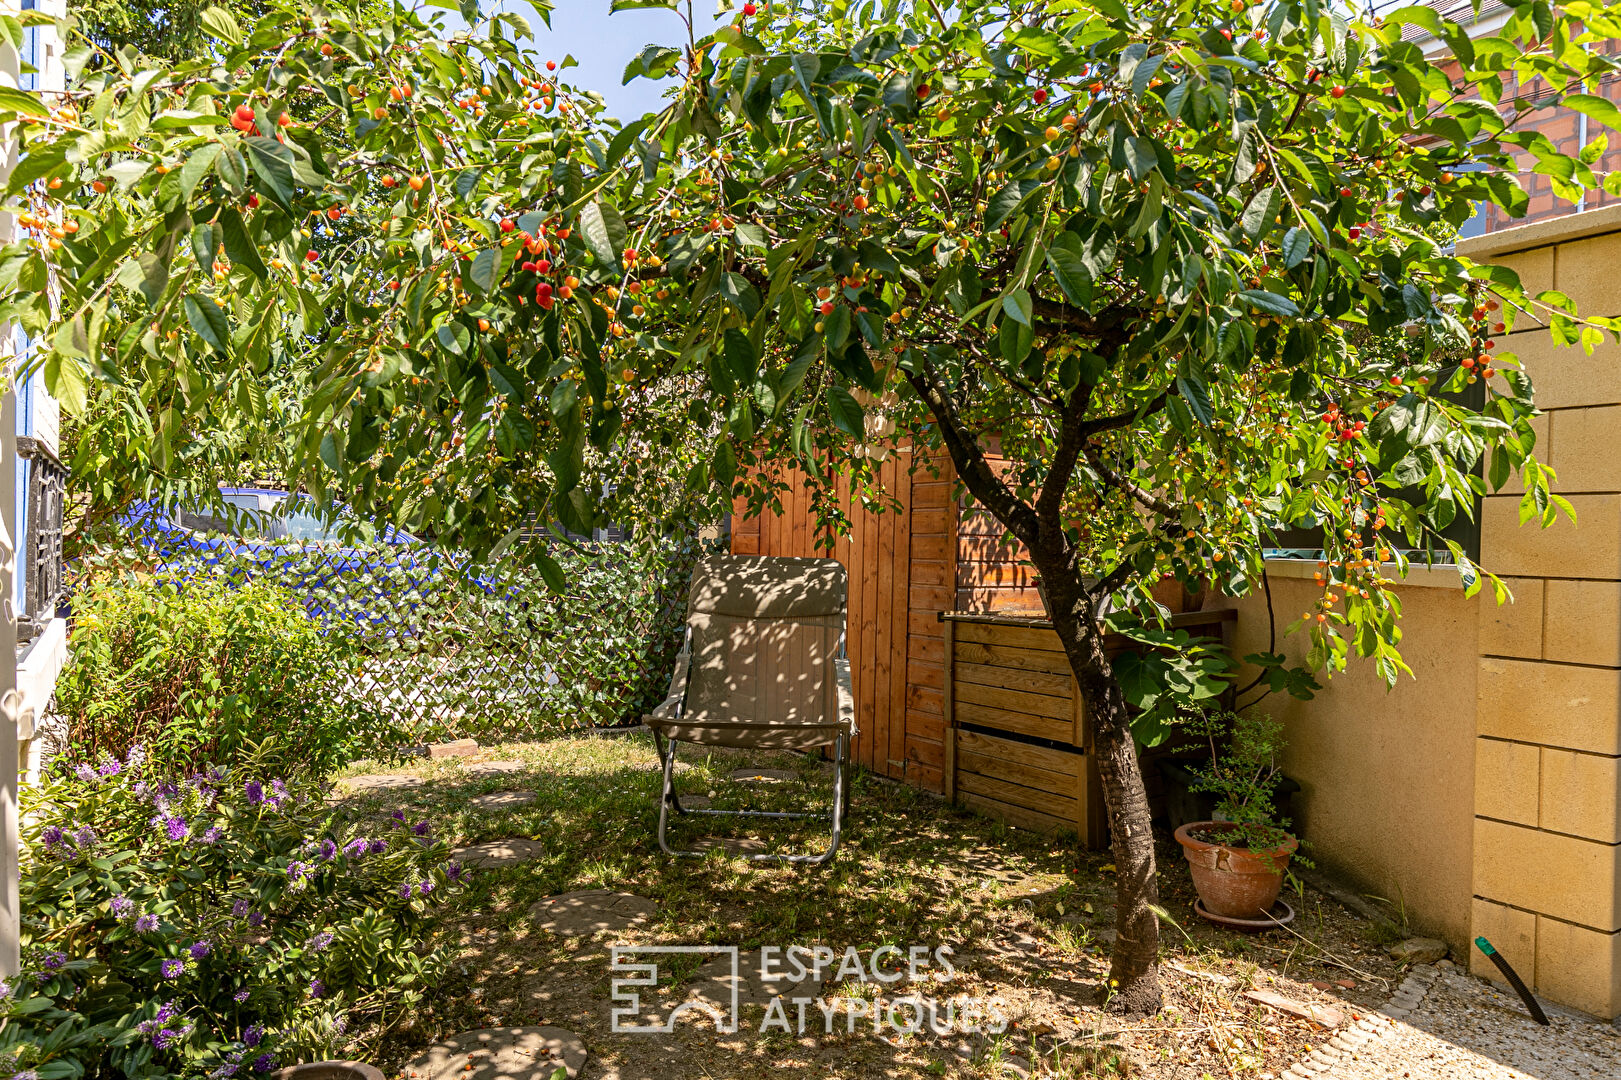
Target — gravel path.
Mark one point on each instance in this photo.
(1467, 1029)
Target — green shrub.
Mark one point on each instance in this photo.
(211, 924)
(209, 670)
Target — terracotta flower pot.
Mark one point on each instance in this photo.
(328, 1070)
(1234, 882)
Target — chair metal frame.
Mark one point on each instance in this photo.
(665, 747)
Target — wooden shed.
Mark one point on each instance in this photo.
(960, 685)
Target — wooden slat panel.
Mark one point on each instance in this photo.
(924, 697)
(929, 752)
(1018, 637)
(929, 649)
(1059, 806)
(931, 521)
(1058, 785)
(933, 548)
(1040, 727)
(1017, 815)
(973, 652)
(930, 572)
(925, 726)
(931, 598)
(930, 494)
(899, 579)
(1012, 678)
(1060, 708)
(1044, 758)
(994, 574)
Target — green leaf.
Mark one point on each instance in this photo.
(66, 381)
(454, 337)
(272, 169)
(1064, 257)
(740, 357)
(488, 269)
(1296, 246)
(1270, 302)
(1197, 395)
(208, 320)
(604, 232)
(1017, 304)
(846, 415)
(222, 24)
(197, 165)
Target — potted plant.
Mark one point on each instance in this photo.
(1238, 859)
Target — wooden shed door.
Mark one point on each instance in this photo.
(877, 553)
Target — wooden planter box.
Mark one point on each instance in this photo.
(1018, 745)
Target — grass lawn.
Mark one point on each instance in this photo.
(1027, 918)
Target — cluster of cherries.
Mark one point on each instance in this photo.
(1479, 361)
(1344, 427)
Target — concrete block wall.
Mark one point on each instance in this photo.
(1547, 827)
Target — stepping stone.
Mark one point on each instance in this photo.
(502, 800)
(730, 845)
(497, 853)
(517, 1053)
(696, 802)
(589, 911)
(494, 768)
(767, 776)
(456, 748)
(380, 782)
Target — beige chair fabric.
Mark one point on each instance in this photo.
(761, 667)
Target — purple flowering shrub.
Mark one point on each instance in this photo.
(210, 672)
(212, 924)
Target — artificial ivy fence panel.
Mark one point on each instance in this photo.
(457, 650)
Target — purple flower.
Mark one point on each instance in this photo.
(173, 969)
(122, 907)
(320, 941)
(455, 871)
(279, 788)
(240, 908)
(111, 767)
(357, 847)
(84, 772)
(420, 828)
(84, 837)
(162, 1039)
(296, 871)
(240, 996)
(317, 988)
(329, 850)
(136, 755)
(26, 1074)
(255, 792)
(176, 828)
(256, 919)
(405, 890)
(253, 1036)
(264, 1063)
(424, 888)
(53, 961)
(399, 816)
(200, 949)
(53, 837)
(166, 1013)
(379, 846)
(146, 924)
(212, 836)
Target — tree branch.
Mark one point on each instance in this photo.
(970, 462)
(1120, 420)
(1119, 480)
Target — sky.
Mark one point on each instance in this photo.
(603, 44)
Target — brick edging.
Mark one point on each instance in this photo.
(1323, 1063)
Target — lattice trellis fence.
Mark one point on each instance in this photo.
(455, 650)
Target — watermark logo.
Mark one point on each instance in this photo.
(628, 975)
(792, 985)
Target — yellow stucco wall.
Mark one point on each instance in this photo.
(1387, 777)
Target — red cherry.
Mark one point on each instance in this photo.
(543, 266)
(243, 113)
(1354, 233)
(1226, 33)
(1337, 92)
(253, 202)
(827, 307)
(749, 9)
(393, 285)
(923, 91)
(507, 224)
(1345, 193)
(312, 255)
(551, 65)
(1040, 96)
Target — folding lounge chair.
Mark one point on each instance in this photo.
(763, 668)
